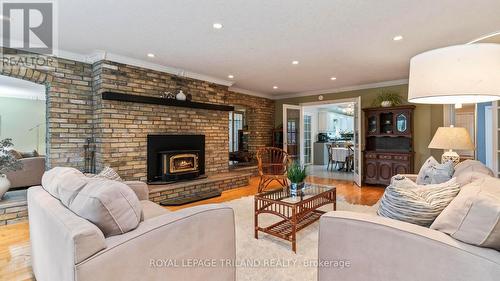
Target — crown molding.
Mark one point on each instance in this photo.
(250, 93)
(103, 55)
(343, 89)
(168, 69)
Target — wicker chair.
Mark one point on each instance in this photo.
(273, 163)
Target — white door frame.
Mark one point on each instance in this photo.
(301, 129)
(496, 131)
(358, 177)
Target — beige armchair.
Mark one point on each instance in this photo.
(31, 173)
(165, 246)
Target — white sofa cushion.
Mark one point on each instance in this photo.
(474, 215)
(471, 170)
(406, 201)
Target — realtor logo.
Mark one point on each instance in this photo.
(28, 26)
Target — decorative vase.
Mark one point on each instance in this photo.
(386, 103)
(180, 96)
(4, 185)
(296, 188)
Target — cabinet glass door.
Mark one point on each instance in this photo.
(372, 124)
(401, 123)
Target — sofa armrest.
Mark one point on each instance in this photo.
(378, 248)
(167, 245)
(140, 188)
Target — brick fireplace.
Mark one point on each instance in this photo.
(77, 112)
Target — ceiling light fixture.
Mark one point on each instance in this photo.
(397, 38)
(217, 25)
(275, 87)
(333, 78)
(295, 62)
(455, 74)
(230, 76)
(151, 55)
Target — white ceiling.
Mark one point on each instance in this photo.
(348, 39)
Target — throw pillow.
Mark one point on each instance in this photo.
(16, 154)
(406, 201)
(422, 177)
(109, 173)
(58, 178)
(441, 172)
(474, 215)
(434, 173)
(110, 205)
(30, 154)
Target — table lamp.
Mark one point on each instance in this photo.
(451, 138)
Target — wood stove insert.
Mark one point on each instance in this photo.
(173, 158)
(179, 164)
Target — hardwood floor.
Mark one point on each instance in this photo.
(15, 263)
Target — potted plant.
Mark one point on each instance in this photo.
(296, 174)
(387, 99)
(8, 163)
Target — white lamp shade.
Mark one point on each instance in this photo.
(456, 74)
(452, 138)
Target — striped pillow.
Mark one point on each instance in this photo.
(406, 201)
(106, 173)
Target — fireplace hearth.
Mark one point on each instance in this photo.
(173, 158)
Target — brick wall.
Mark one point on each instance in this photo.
(69, 102)
(75, 111)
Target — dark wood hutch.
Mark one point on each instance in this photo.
(388, 143)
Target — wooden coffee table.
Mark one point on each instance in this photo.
(296, 212)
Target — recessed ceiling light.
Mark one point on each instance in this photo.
(230, 76)
(295, 62)
(217, 25)
(275, 87)
(333, 78)
(151, 55)
(397, 38)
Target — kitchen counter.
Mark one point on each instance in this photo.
(320, 153)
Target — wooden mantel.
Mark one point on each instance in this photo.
(164, 101)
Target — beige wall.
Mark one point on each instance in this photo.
(426, 118)
(17, 117)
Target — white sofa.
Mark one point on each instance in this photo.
(165, 246)
(378, 248)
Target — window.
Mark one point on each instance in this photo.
(236, 123)
(307, 139)
(292, 132)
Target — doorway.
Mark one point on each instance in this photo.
(325, 137)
